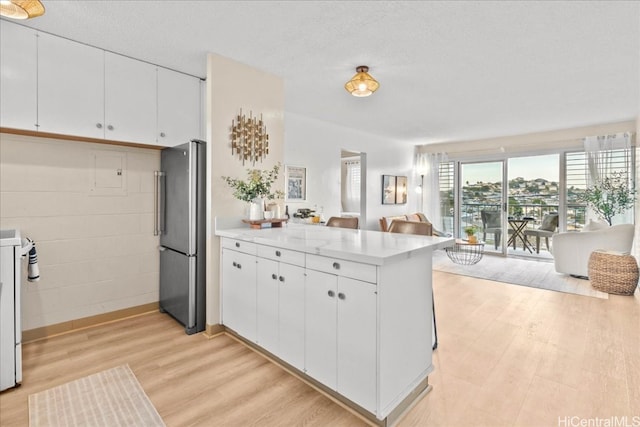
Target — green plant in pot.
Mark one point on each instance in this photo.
(470, 231)
(256, 189)
(610, 196)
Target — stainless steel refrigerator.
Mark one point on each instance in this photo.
(180, 222)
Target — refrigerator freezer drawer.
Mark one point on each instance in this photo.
(177, 286)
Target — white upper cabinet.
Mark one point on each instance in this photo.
(178, 108)
(18, 82)
(130, 99)
(70, 87)
(55, 85)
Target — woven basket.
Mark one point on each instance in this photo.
(613, 273)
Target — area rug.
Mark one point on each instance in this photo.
(109, 398)
(532, 273)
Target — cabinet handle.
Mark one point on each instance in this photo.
(162, 134)
(342, 296)
(331, 294)
(278, 253)
(274, 277)
(281, 278)
(99, 125)
(336, 265)
(237, 244)
(235, 264)
(110, 127)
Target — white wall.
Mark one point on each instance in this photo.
(316, 145)
(232, 86)
(96, 248)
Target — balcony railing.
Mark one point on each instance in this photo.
(471, 214)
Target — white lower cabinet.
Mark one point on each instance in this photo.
(239, 292)
(280, 311)
(340, 335)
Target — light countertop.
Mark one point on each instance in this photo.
(371, 247)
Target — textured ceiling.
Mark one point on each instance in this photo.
(448, 70)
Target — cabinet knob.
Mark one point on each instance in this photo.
(336, 265)
(281, 278)
(237, 244)
(239, 266)
(331, 294)
(110, 127)
(342, 296)
(235, 264)
(278, 253)
(99, 125)
(162, 135)
(274, 277)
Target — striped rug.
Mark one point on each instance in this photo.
(109, 398)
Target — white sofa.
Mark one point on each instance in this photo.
(571, 250)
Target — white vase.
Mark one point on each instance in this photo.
(256, 209)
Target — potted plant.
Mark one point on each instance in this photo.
(255, 189)
(470, 231)
(610, 196)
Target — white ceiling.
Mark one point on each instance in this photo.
(447, 70)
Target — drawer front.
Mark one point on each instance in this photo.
(282, 255)
(339, 267)
(239, 245)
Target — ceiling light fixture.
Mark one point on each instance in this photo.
(362, 84)
(21, 9)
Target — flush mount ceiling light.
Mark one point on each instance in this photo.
(21, 9)
(362, 84)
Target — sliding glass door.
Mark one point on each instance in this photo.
(482, 202)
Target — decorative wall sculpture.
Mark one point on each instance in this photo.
(249, 138)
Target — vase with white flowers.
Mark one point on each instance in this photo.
(255, 189)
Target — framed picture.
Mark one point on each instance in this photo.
(296, 183)
(388, 189)
(401, 190)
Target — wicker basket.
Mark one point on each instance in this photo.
(613, 273)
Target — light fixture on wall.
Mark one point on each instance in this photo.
(362, 84)
(21, 9)
(249, 138)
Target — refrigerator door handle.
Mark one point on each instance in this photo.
(158, 197)
(193, 195)
(192, 292)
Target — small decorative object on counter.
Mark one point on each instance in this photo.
(286, 212)
(256, 189)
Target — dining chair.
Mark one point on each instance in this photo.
(548, 228)
(423, 229)
(343, 222)
(491, 223)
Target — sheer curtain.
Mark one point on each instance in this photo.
(606, 154)
(351, 186)
(428, 168)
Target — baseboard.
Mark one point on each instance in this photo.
(73, 325)
(211, 331)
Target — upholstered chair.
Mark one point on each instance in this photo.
(343, 222)
(411, 227)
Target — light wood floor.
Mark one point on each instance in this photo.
(507, 355)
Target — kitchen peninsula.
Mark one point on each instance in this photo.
(349, 310)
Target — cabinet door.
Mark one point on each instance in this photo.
(70, 87)
(267, 300)
(357, 341)
(179, 112)
(239, 293)
(19, 76)
(320, 327)
(291, 315)
(130, 99)
(7, 319)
